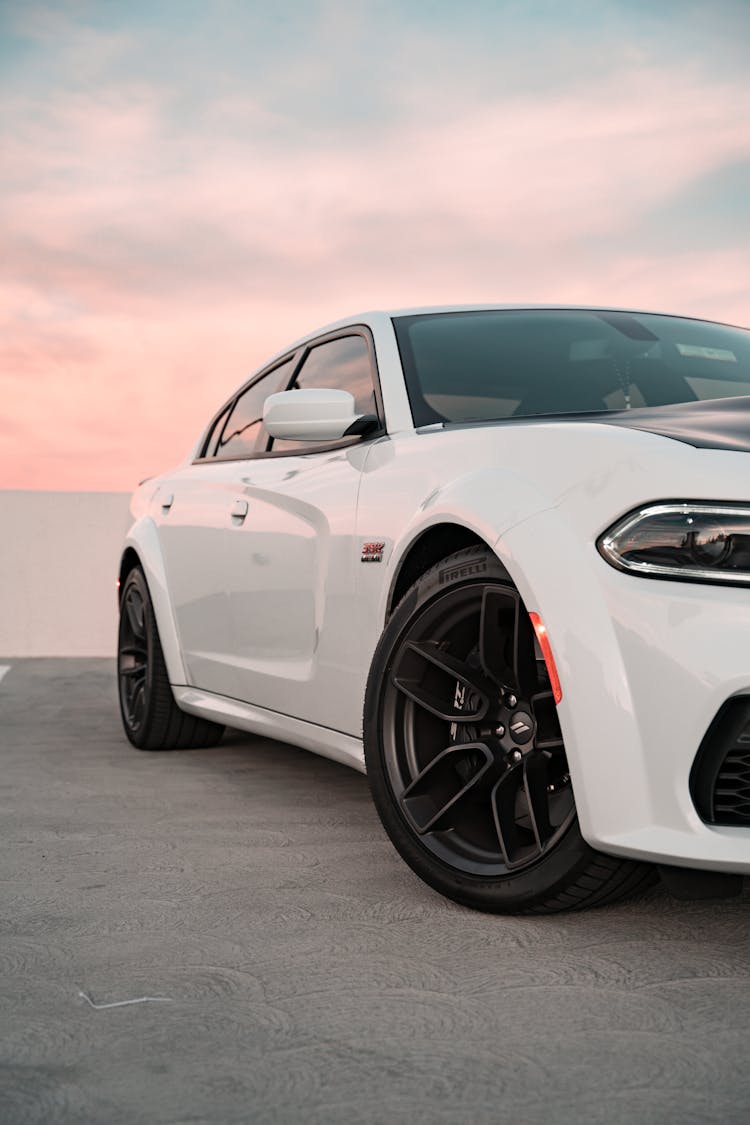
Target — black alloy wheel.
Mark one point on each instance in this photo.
(150, 716)
(465, 754)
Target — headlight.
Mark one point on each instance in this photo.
(696, 542)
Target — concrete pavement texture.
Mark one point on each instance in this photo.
(300, 972)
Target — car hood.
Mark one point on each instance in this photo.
(601, 464)
(718, 424)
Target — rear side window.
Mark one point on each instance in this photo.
(209, 445)
(239, 436)
(342, 364)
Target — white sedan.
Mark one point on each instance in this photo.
(499, 557)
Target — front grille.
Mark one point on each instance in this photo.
(732, 789)
(720, 777)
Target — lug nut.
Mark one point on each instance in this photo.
(500, 731)
(511, 699)
(517, 755)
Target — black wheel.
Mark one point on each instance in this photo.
(465, 755)
(151, 718)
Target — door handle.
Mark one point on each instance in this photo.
(167, 502)
(239, 509)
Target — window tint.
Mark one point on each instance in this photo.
(240, 434)
(339, 365)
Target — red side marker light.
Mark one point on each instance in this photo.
(549, 660)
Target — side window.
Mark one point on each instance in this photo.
(339, 365)
(240, 433)
(209, 445)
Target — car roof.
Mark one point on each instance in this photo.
(374, 315)
(563, 306)
(491, 307)
(376, 318)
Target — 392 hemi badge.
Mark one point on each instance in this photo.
(372, 552)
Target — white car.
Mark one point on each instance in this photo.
(499, 557)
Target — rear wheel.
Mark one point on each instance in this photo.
(150, 716)
(465, 754)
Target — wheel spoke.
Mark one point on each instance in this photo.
(456, 669)
(138, 704)
(506, 641)
(463, 698)
(524, 657)
(548, 733)
(521, 796)
(431, 801)
(136, 616)
(496, 622)
(136, 670)
(535, 780)
(503, 800)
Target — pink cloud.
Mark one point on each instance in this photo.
(148, 269)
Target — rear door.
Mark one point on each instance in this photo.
(195, 515)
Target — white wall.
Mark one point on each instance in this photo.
(59, 555)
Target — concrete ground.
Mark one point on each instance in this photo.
(306, 974)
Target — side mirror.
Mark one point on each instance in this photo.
(314, 415)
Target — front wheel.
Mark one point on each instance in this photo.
(465, 754)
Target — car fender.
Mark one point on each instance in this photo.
(144, 540)
(486, 502)
(558, 576)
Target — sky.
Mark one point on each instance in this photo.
(186, 186)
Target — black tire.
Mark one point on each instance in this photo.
(484, 815)
(150, 716)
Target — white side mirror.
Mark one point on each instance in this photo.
(313, 415)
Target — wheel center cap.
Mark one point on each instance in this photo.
(521, 727)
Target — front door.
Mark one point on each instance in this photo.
(290, 573)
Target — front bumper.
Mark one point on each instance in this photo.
(645, 666)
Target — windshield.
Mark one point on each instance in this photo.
(478, 366)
